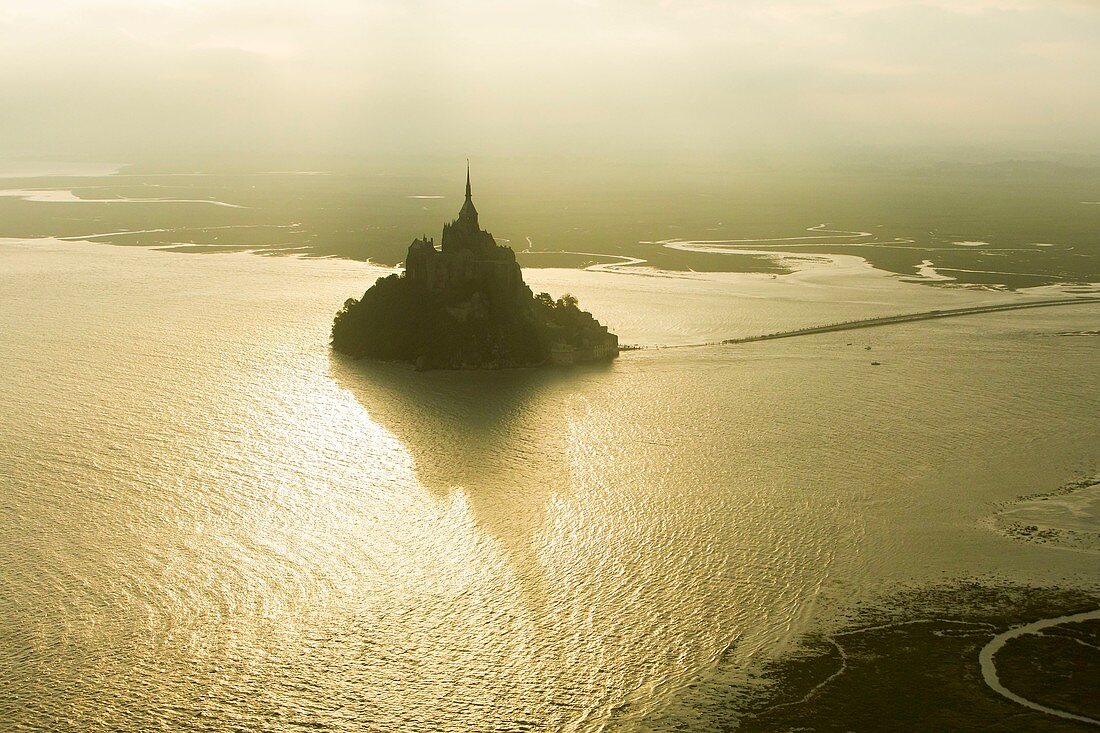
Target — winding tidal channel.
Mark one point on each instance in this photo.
(989, 666)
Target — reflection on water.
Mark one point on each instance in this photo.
(469, 430)
(500, 438)
(210, 522)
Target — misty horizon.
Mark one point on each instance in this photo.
(795, 81)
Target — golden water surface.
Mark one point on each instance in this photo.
(208, 521)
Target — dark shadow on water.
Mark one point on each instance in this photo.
(500, 437)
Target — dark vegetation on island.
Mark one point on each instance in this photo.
(466, 307)
(396, 321)
(911, 664)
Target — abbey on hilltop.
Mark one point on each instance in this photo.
(469, 255)
(465, 306)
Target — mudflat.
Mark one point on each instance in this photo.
(911, 664)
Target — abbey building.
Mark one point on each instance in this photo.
(469, 258)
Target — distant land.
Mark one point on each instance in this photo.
(1007, 225)
(466, 306)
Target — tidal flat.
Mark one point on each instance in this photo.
(992, 225)
(1068, 517)
(911, 663)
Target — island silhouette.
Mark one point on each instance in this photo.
(465, 306)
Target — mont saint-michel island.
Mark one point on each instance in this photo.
(465, 306)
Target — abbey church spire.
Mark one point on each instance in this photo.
(468, 214)
(465, 233)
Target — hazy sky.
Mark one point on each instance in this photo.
(127, 78)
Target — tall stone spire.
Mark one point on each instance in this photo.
(467, 216)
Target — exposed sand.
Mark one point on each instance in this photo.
(62, 196)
